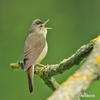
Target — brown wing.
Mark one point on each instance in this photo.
(34, 45)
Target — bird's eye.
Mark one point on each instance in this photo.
(41, 25)
(38, 22)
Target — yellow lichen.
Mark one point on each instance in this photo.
(14, 65)
(42, 68)
(96, 39)
(40, 73)
(77, 75)
(37, 70)
(68, 90)
(65, 60)
(97, 59)
(89, 75)
(70, 77)
(65, 83)
(54, 69)
(82, 78)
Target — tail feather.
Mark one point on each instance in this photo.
(30, 73)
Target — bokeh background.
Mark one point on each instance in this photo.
(74, 23)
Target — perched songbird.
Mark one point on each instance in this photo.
(35, 48)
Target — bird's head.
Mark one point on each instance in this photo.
(39, 26)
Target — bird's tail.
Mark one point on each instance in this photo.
(30, 74)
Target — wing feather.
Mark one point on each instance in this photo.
(34, 45)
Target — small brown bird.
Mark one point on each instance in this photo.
(35, 48)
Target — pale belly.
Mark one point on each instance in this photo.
(43, 54)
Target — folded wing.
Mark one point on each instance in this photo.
(34, 45)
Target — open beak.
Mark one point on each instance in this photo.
(46, 23)
(48, 28)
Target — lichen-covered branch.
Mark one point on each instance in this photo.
(50, 70)
(51, 82)
(71, 89)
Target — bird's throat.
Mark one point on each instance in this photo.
(45, 33)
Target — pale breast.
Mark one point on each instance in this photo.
(43, 54)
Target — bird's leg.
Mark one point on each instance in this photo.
(41, 65)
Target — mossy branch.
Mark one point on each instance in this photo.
(47, 71)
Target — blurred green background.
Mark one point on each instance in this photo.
(74, 23)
